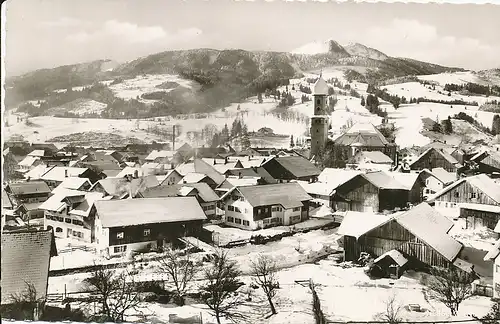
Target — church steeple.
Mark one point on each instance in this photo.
(320, 120)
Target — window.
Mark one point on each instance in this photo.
(120, 235)
(68, 220)
(147, 232)
(230, 219)
(246, 223)
(274, 220)
(120, 249)
(427, 182)
(77, 222)
(60, 219)
(59, 230)
(276, 209)
(296, 209)
(318, 102)
(237, 220)
(241, 198)
(497, 267)
(78, 234)
(473, 195)
(456, 194)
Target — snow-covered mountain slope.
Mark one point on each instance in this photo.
(357, 49)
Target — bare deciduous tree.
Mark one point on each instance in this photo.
(452, 286)
(264, 271)
(116, 293)
(219, 293)
(392, 311)
(181, 269)
(28, 302)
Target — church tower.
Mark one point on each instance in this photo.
(320, 121)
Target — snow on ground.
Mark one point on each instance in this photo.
(88, 107)
(131, 88)
(416, 90)
(452, 77)
(481, 238)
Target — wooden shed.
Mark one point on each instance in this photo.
(420, 234)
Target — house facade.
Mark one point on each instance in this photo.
(257, 207)
(478, 216)
(123, 226)
(436, 158)
(479, 189)
(288, 168)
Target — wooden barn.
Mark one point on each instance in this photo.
(420, 234)
(436, 158)
(478, 189)
(487, 162)
(371, 192)
(479, 215)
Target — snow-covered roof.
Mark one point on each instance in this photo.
(481, 181)
(494, 252)
(159, 154)
(336, 177)
(395, 255)
(317, 188)
(37, 153)
(320, 87)
(28, 161)
(193, 177)
(406, 179)
(74, 183)
(357, 223)
(481, 207)
(119, 213)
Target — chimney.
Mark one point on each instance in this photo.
(215, 162)
(65, 173)
(226, 160)
(136, 174)
(239, 175)
(28, 179)
(172, 166)
(184, 181)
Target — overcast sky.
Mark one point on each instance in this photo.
(48, 33)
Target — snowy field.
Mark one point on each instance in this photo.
(452, 77)
(131, 88)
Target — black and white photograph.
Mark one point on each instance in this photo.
(254, 162)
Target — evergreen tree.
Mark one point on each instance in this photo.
(292, 143)
(447, 126)
(363, 101)
(495, 127)
(259, 97)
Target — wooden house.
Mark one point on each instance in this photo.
(478, 189)
(420, 234)
(436, 158)
(371, 192)
(256, 207)
(27, 198)
(494, 255)
(123, 226)
(479, 215)
(288, 168)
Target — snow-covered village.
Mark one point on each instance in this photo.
(353, 179)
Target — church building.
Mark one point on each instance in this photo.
(321, 120)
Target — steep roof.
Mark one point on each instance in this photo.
(481, 207)
(59, 173)
(432, 228)
(29, 161)
(288, 195)
(298, 166)
(442, 175)
(336, 177)
(441, 152)
(37, 153)
(6, 202)
(320, 87)
(406, 179)
(25, 259)
(83, 209)
(73, 183)
(395, 255)
(119, 187)
(56, 201)
(202, 189)
(372, 156)
(356, 224)
(160, 154)
(29, 187)
(365, 134)
(481, 181)
(193, 177)
(38, 171)
(118, 213)
(382, 180)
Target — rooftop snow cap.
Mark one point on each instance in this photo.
(320, 87)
